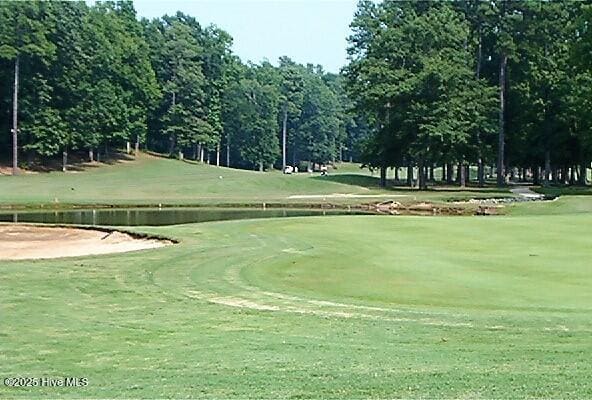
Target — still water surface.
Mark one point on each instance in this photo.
(156, 216)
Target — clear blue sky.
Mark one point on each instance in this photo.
(308, 31)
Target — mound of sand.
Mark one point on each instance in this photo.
(21, 242)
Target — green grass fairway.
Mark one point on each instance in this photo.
(566, 190)
(152, 180)
(562, 205)
(318, 307)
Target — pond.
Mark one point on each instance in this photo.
(158, 216)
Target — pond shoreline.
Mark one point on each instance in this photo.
(397, 205)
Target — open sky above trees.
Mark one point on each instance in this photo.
(298, 25)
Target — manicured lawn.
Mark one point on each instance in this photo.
(321, 307)
(562, 205)
(152, 180)
(566, 190)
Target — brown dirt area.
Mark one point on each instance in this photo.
(22, 242)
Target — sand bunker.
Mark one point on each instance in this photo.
(21, 242)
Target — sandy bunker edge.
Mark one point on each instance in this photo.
(36, 241)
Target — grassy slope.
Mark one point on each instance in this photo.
(314, 307)
(563, 205)
(151, 180)
(565, 190)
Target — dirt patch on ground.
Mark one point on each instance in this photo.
(4, 170)
(22, 242)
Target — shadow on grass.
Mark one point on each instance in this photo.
(373, 182)
(77, 162)
(470, 188)
(366, 181)
(565, 190)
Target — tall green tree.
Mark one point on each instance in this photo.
(291, 96)
(251, 113)
(23, 38)
(320, 127)
(413, 70)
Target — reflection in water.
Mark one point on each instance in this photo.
(158, 216)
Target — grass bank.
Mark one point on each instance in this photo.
(150, 180)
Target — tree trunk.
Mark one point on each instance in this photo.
(431, 173)
(137, 146)
(396, 174)
(91, 155)
(583, 173)
(449, 173)
(181, 155)
(502, 111)
(294, 155)
(284, 136)
(577, 173)
(462, 172)
(199, 152)
(382, 176)
(410, 175)
(260, 166)
(227, 154)
(547, 167)
(17, 64)
(128, 148)
(333, 154)
(481, 172)
(172, 138)
(572, 175)
(421, 176)
(536, 175)
(64, 160)
(480, 166)
(218, 154)
(172, 144)
(30, 157)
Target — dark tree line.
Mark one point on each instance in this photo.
(93, 79)
(504, 86)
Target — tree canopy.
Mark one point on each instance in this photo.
(95, 78)
(474, 82)
(501, 86)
